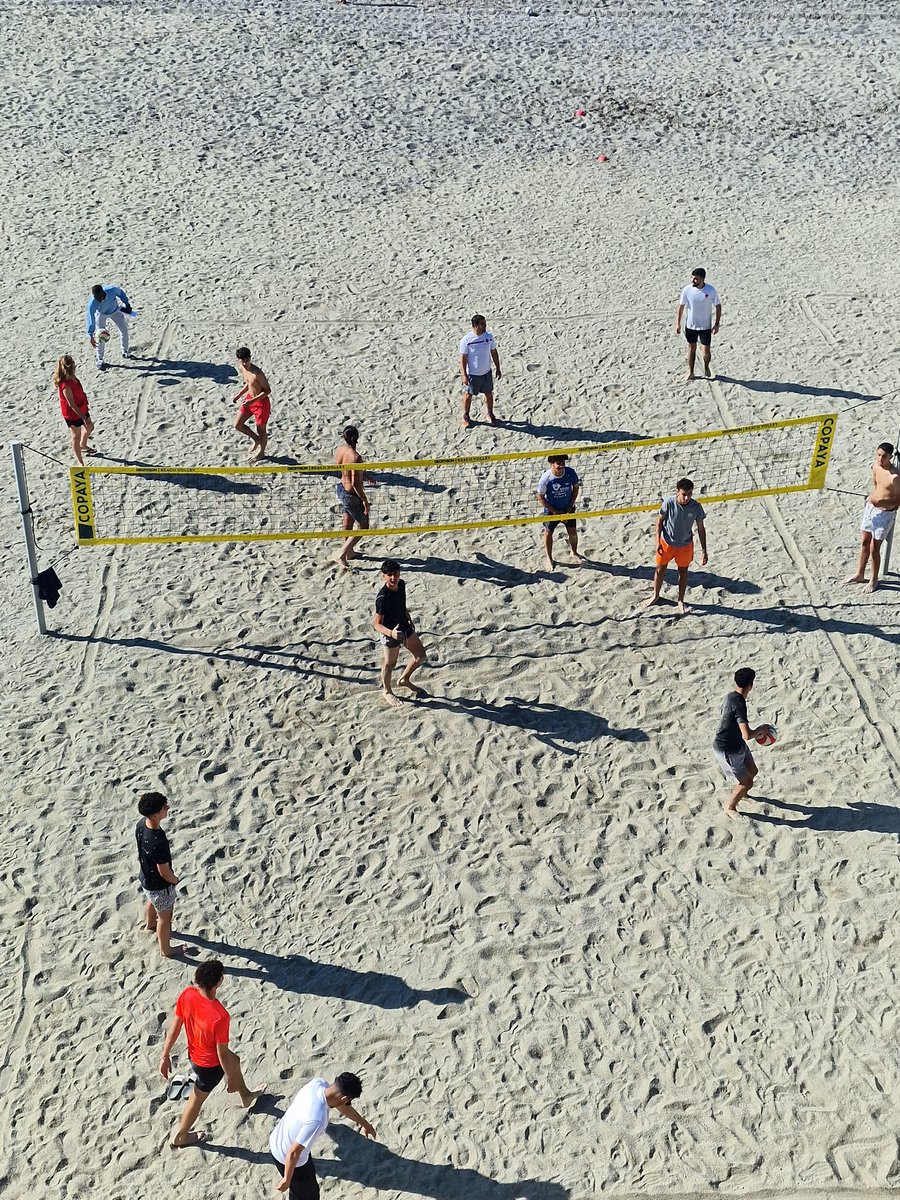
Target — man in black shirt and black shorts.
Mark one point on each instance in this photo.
(157, 877)
(730, 743)
(393, 622)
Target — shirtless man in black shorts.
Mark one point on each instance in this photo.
(393, 622)
(351, 494)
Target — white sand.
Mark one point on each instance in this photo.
(660, 1002)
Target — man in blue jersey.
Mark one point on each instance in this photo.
(107, 304)
(557, 492)
(477, 351)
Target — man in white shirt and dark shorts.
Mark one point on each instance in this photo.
(477, 351)
(304, 1122)
(696, 305)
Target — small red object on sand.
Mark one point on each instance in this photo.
(580, 112)
(602, 158)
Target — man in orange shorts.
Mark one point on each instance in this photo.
(675, 539)
(255, 402)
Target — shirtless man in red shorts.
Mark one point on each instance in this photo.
(254, 398)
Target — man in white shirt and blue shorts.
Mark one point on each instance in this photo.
(696, 305)
(477, 351)
(304, 1122)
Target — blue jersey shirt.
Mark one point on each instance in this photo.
(558, 489)
(105, 307)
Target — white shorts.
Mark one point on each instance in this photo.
(877, 521)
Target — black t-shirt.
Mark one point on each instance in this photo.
(153, 849)
(728, 736)
(391, 607)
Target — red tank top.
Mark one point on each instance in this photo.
(78, 396)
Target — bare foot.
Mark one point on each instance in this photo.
(682, 607)
(249, 1098)
(416, 691)
(342, 562)
(689, 377)
(551, 565)
(871, 587)
(90, 450)
(732, 812)
(650, 603)
(579, 558)
(855, 579)
(255, 455)
(392, 700)
(707, 372)
(194, 1138)
(492, 420)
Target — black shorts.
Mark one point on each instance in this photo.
(571, 526)
(206, 1079)
(75, 424)
(304, 1185)
(481, 385)
(704, 336)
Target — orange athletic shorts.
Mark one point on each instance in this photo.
(683, 555)
(259, 409)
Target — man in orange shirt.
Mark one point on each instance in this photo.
(207, 1026)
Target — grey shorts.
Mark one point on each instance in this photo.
(392, 643)
(351, 504)
(734, 763)
(163, 901)
(481, 385)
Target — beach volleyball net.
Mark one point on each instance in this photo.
(132, 505)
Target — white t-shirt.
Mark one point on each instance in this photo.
(477, 347)
(304, 1121)
(699, 304)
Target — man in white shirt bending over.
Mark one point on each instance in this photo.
(477, 351)
(696, 306)
(307, 1118)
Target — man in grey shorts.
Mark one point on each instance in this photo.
(730, 743)
(351, 493)
(157, 877)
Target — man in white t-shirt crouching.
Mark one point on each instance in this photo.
(305, 1120)
(696, 306)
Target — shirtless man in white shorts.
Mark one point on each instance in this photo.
(878, 515)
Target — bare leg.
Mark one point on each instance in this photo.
(658, 576)
(184, 1137)
(86, 430)
(489, 405)
(76, 445)
(262, 439)
(875, 561)
(150, 917)
(235, 1082)
(692, 354)
(741, 790)
(707, 355)
(240, 424)
(390, 659)
(164, 932)
(682, 588)
(467, 404)
(573, 542)
(863, 561)
(417, 650)
(548, 548)
(347, 551)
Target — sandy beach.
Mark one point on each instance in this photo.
(514, 908)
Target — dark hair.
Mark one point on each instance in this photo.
(350, 1085)
(151, 803)
(744, 676)
(699, 271)
(242, 352)
(390, 565)
(684, 484)
(351, 435)
(558, 458)
(886, 447)
(478, 319)
(209, 974)
(98, 292)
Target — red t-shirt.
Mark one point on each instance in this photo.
(206, 1023)
(69, 413)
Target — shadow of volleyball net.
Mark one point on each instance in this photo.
(121, 505)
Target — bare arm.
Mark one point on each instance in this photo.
(165, 869)
(165, 1063)
(747, 733)
(575, 492)
(290, 1164)
(718, 318)
(383, 629)
(659, 528)
(70, 400)
(679, 312)
(496, 358)
(701, 534)
(545, 503)
(464, 367)
(347, 1110)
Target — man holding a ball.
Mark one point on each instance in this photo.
(730, 743)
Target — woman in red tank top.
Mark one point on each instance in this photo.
(74, 407)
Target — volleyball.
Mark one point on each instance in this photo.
(767, 736)
(103, 335)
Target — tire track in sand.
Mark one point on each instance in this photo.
(886, 732)
(110, 572)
